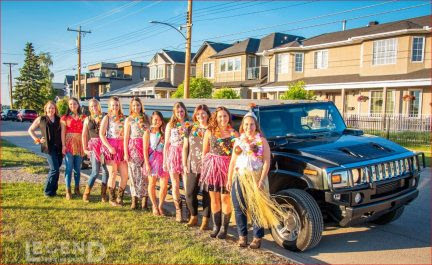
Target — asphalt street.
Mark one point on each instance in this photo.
(405, 241)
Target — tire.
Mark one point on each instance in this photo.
(305, 221)
(389, 217)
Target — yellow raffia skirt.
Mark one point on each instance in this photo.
(262, 209)
(74, 144)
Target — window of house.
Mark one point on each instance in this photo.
(153, 72)
(384, 51)
(298, 61)
(192, 71)
(282, 63)
(414, 105)
(230, 64)
(417, 49)
(160, 71)
(208, 70)
(253, 61)
(376, 102)
(320, 59)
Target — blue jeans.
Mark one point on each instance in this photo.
(240, 217)
(96, 165)
(72, 162)
(51, 184)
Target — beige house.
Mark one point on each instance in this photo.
(238, 66)
(105, 77)
(380, 69)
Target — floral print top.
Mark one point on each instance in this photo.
(137, 130)
(195, 149)
(176, 139)
(115, 128)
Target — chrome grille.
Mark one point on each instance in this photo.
(383, 171)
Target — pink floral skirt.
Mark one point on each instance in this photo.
(95, 146)
(174, 162)
(214, 172)
(117, 144)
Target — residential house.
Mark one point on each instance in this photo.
(105, 77)
(59, 89)
(238, 66)
(68, 85)
(167, 69)
(376, 70)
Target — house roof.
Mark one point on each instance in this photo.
(144, 84)
(420, 74)
(252, 45)
(216, 46)
(58, 85)
(176, 56)
(246, 83)
(412, 23)
(69, 79)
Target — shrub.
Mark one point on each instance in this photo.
(199, 88)
(297, 90)
(225, 93)
(62, 105)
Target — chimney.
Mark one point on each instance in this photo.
(344, 25)
(372, 23)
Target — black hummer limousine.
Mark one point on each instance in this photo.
(322, 170)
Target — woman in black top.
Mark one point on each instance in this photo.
(50, 142)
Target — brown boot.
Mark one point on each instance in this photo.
(134, 200)
(256, 243)
(193, 221)
(178, 206)
(242, 242)
(104, 192)
(68, 194)
(144, 203)
(120, 195)
(204, 224)
(77, 191)
(86, 194)
(112, 198)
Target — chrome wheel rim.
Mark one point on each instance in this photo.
(290, 228)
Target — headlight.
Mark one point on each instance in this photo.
(339, 179)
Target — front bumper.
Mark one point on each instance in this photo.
(364, 213)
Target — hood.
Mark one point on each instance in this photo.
(344, 149)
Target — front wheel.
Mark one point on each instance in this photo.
(302, 227)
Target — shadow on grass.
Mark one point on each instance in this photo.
(13, 156)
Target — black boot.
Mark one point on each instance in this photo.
(216, 224)
(224, 227)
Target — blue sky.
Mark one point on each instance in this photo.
(121, 30)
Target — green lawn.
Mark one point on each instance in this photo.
(29, 220)
(13, 156)
(425, 149)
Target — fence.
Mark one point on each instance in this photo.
(405, 130)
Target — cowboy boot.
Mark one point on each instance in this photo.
(193, 221)
(242, 242)
(112, 198)
(144, 203)
(120, 195)
(86, 194)
(104, 192)
(178, 206)
(224, 227)
(77, 191)
(256, 243)
(68, 194)
(134, 200)
(204, 223)
(216, 224)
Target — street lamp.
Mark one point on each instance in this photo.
(188, 38)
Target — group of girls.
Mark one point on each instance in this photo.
(228, 167)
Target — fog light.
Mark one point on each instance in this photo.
(337, 197)
(358, 198)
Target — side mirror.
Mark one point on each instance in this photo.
(354, 132)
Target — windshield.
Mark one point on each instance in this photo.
(300, 119)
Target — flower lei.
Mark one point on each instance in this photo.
(220, 140)
(182, 129)
(195, 130)
(140, 119)
(254, 147)
(120, 119)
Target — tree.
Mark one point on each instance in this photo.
(199, 88)
(45, 62)
(225, 93)
(297, 90)
(29, 92)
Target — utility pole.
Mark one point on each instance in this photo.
(188, 50)
(79, 31)
(10, 82)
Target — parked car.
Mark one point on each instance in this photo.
(27, 115)
(9, 115)
(322, 171)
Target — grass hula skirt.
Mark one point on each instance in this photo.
(214, 172)
(95, 146)
(74, 144)
(174, 162)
